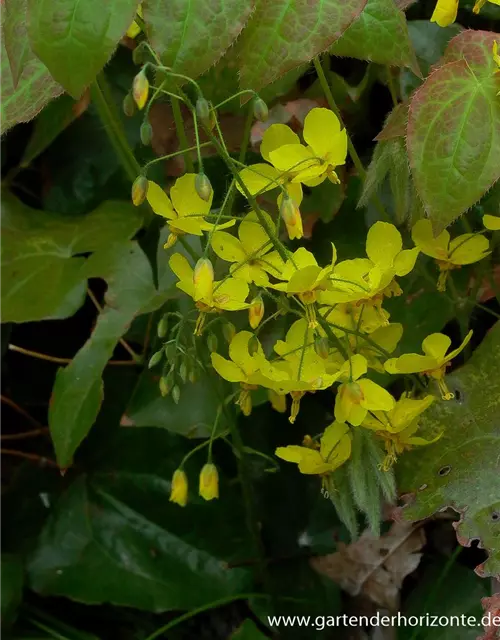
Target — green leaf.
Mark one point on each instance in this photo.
(283, 35)
(41, 247)
(114, 537)
(22, 101)
(15, 37)
(395, 123)
(56, 116)
(461, 469)
(191, 38)
(76, 39)
(380, 34)
(12, 587)
(454, 165)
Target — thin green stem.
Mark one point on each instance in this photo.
(352, 150)
(181, 134)
(236, 95)
(174, 155)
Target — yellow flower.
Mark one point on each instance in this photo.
(368, 280)
(179, 491)
(354, 317)
(433, 363)
(203, 279)
(356, 395)
(277, 400)
(445, 12)
(480, 4)
(134, 29)
(185, 210)
(449, 254)
(209, 482)
(304, 278)
(326, 150)
(335, 449)
(491, 222)
(251, 253)
(224, 295)
(398, 426)
(290, 215)
(385, 337)
(256, 312)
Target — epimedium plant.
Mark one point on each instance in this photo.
(272, 319)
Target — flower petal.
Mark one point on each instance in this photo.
(491, 222)
(185, 199)
(375, 397)
(383, 243)
(423, 236)
(275, 136)
(293, 157)
(321, 129)
(254, 238)
(436, 345)
(227, 247)
(159, 201)
(227, 369)
(456, 351)
(259, 178)
(468, 248)
(405, 261)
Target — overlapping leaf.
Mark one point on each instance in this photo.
(283, 34)
(380, 34)
(462, 469)
(75, 39)
(454, 129)
(191, 37)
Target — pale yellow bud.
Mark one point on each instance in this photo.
(203, 279)
(140, 89)
(179, 490)
(256, 312)
(209, 482)
(291, 217)
(171, 240)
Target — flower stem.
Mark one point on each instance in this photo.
(181, 134)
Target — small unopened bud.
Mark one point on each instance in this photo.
(164, 386)
(203, 279)
(256, 311)
(209, 482)
(212, 342)
(171, 240)
(183, 372)
(277, 400)
(203, 187)
(176, 394)
(140, 89)
(260, 110)
(155, 359)
(291, 217)
(146, 133)
(139, 190)
(162, 327)
(179, 491)
(228, 331)
(246, 405)
(128, 105)
(171, 352)
(322, 346)
(253, 345)
(203, 111)
(192, 376)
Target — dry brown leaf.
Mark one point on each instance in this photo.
(491, 608)
(375, 567)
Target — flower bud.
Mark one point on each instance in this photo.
(209, 482)
(256, 311)
(171, 240)
(277, 400)
(139, 190)
(183, 372)
(253, 345)
(291, 217)
(128, 105)
(203, 279)
(246, 404)
(146, 133)
(179, 490)
(164, 386)
(228, 331)
(176, 394)
(162, 327)
(192, 376)
(155, 359)
(171, 352)
(203, 111)
(322, 346)
(212, 342)
(203, 186)
(260, 110)
(140, 89)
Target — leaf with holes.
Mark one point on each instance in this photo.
(454, 129)
(462, 469)
(281, 35)
(24, 99)
(190, 37)
(76, 39)
(380, 34)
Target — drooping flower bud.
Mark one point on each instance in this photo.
(212, 342)
(203, 279)
(322, 346)
(162, 327)
(171, 352)
(176, 394)
(291, 217)
(139, 190)
(179, 490)
(171, 240)
(253, 345)
(146, 133)
(256, 312)
(209, 482)
(228, 331)
(164, 386)
(128, 105)
(140, 89)
(203, 186)
(260, 110)
(155, 359)
(203, 112)
(183, 372)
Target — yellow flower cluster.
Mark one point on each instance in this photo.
(341, 330)
(445, 12)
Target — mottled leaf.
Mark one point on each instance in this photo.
(454, 130)
(75, 39)
(191, 37)
(462, 469)
(283, 34)
(380, 34)
(15, 37)
(396, 123)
